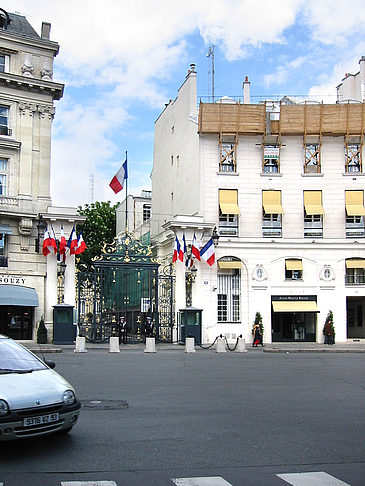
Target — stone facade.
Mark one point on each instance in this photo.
(292, 264)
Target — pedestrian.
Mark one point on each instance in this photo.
(257, 336)
(328, 336)
(122, 330)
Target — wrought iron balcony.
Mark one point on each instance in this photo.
(354, 279)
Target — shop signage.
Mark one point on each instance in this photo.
(12, 280)
(271, 152)
(294, 298)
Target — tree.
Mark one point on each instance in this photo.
(98, 229)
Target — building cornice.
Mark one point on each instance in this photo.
(55, 90)
(32, 42)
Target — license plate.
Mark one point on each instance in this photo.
(42, 419)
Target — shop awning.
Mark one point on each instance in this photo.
(229, 265)
(293, 264)
(6, 230)
(228, 201)
(355, 263)
(313, 203)
(271, 201)
(354, 201)
(18, 296)
(295, 306)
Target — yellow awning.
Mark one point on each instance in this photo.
(313, 202)
(228, 201)
(355, 263)
(229, 265)
(295, 306)
(271, 201)
(294, 264)
(354, 201)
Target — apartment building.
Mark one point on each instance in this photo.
(28, 281)
(134, 213)
(352, 86)
(282, 184)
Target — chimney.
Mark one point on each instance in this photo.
(246, 91)
(46, 29)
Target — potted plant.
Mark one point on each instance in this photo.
(41, 332)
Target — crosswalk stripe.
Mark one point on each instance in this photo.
(88, 483)
(212, 481)
(311, 479)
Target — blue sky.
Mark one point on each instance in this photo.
(121, 61)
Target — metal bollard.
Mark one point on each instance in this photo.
(150, 345)
(221, 345)
(80, 345)
(189, 345)
(114, 344)
(241, 345)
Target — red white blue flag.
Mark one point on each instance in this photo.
(63, 242)
(182, 250)
(117, 183)
(72, 242)
(81, 245)
(176, 250)
(207, 253)
(195, 249)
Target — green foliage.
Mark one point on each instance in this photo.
(258, 320)
(98, 229)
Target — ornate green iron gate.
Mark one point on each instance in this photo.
(126, 282)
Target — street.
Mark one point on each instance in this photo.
(238, 419)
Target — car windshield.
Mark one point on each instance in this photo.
(16, 359)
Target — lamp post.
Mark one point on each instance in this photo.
(215, 236)
(41, 226)
(61, 269)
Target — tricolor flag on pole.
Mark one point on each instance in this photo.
(182, 251)
(176, 250)
(195, 249)
(72, 242)
(117, 183)
(207, 253)
(63, 242)
(81, 245)
(47, 244)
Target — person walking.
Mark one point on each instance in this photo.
(257, 336)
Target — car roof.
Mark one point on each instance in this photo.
(2, 336)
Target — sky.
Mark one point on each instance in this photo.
(121, 61)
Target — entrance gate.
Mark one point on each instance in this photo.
(126, 282)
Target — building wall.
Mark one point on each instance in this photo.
(352, 86)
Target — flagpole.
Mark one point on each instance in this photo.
(126, 197)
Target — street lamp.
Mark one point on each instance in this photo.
(215, 236)
(41, 226)
(61, 269)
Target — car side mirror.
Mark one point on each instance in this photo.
(51, 364)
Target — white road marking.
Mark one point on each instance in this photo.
(212, 481)
(311, 479)
(88, 483)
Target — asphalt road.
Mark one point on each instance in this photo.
(148, 418)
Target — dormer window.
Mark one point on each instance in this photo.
(4, 19)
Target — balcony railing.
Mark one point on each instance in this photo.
(8, 201)
(355, 279)
(228, 228)
(354, 231)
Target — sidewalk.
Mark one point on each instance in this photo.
(293, 347)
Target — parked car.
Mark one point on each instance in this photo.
(34, 399)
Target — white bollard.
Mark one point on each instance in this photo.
(221, 345)
(150, 345)
(241, 346)
(114, 344)
(80, 345)
(189, 345)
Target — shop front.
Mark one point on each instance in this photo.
(17, 306)
(294, 317)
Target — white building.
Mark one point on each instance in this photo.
(28, 280)
(135, 212)
(285, 189)
(352, 87)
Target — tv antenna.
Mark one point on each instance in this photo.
(91, 186)
(211, 72)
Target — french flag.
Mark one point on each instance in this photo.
(182, 250)
(195, 249)
(117, 183)
(47, 244)
(72, 242)
(63, 242)
(81, 245)
(207, 253)
(176, 250)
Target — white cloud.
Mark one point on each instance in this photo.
(283, 72)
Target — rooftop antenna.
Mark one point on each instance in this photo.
(212, 72)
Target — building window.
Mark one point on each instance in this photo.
(353, 157)
(312, 159)
(271, 159)
(4, 121)
(293, 269)
(313, 214)
(228, 150)
(3, 256)
(271, 225)
(3, 177)
(228, 212)
(271, 214)
(355, 212)
(146, 212)
(229, 295)
(355, 226)
(355, 271)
